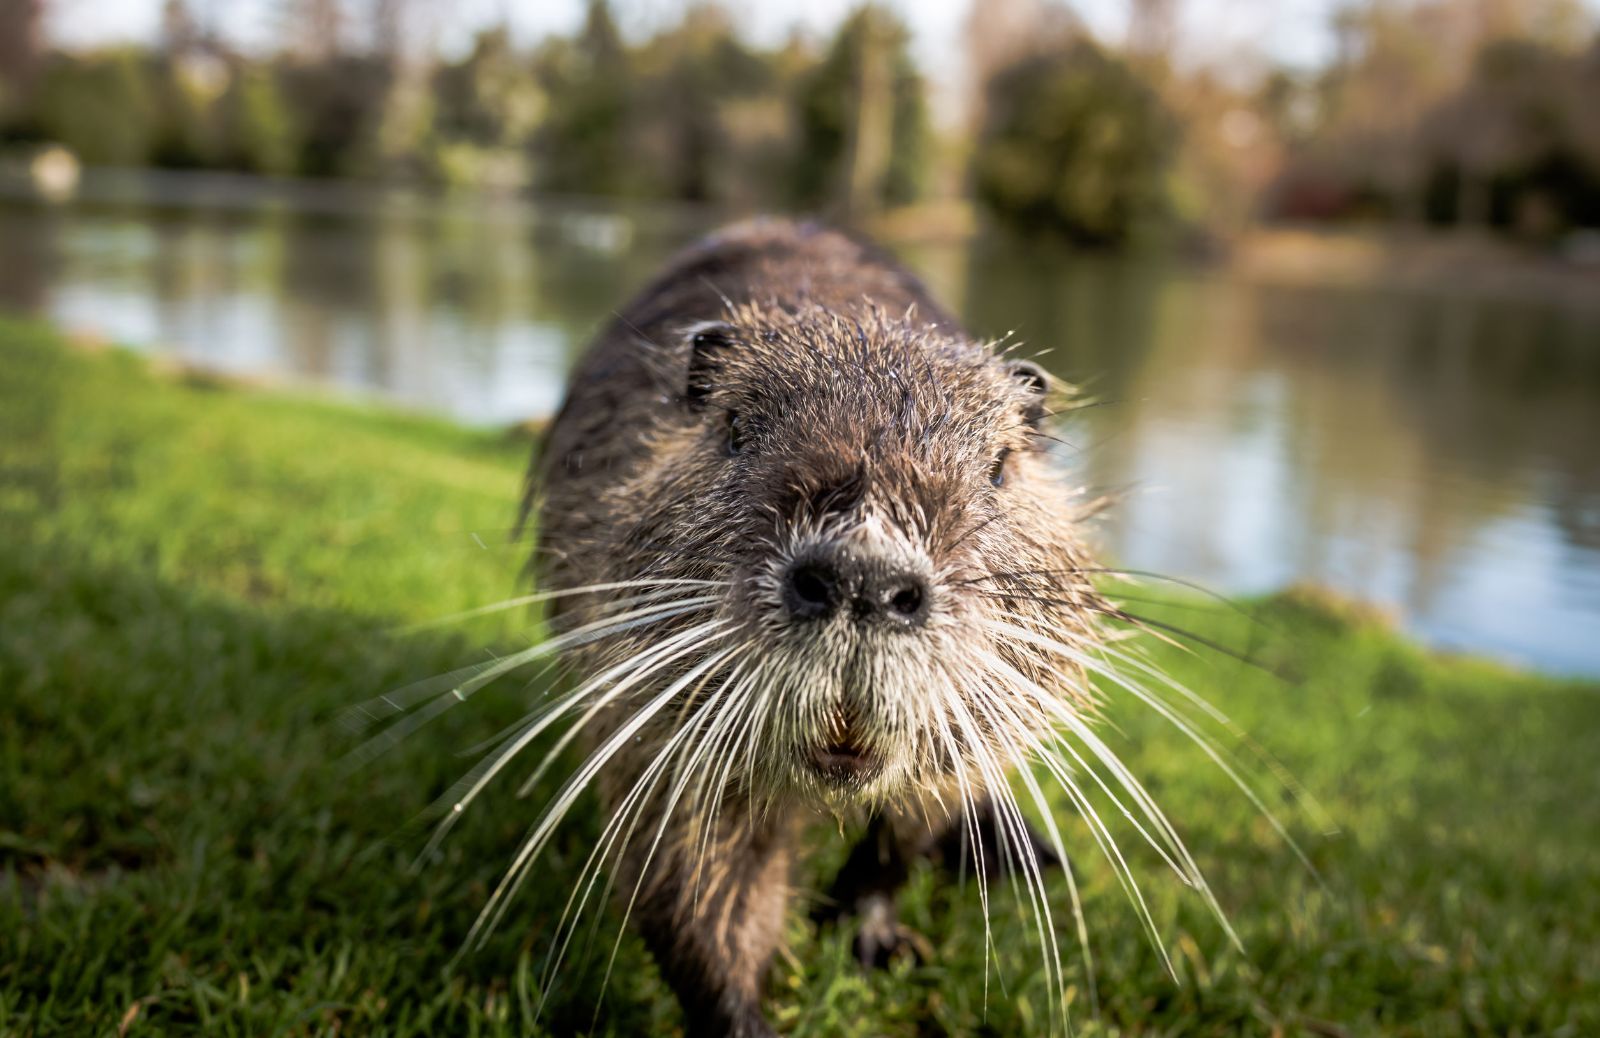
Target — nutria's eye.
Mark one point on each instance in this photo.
(737, 434)
(997, 472)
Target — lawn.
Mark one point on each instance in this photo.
(196, 578)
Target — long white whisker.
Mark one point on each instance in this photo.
(1057, 844)
(1060, 714)
(632, 670)
(1108, 846)
(970, 818)
(459, 684)
(1319, 814)
(620, 825)
(1098, 829)
(1013, 828)
(739, 685)
(1218, 756)
(708, 805)
(1125, 778)
(1208, 745)
(1189, 871)
(666, 817)
(572, 733)
(498, 738)
(492, 912)
(659, 586)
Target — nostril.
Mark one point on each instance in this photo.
(907, 602)
(813, 589)
(811, 586)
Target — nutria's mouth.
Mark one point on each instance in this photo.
(841, 762)
(843, 754)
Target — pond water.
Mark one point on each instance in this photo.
(1435, 453)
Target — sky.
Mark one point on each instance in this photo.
(1217, 32)
(1293, 31)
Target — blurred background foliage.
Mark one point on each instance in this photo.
(1076, 141)
(1456, 113)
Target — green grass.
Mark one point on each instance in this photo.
(194, 579)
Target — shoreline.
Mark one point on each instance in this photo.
(167, 368)
(1404, 258)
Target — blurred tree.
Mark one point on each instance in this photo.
(180, 32)
(403, 144)
(583, 143)
(21, 57)
(337, 103)
(489, 106)
(1438, 109)
(863, 134)
(390, 25)
(1519, 146)
(335, 94)
(1558, 24)
(190, 72)
(1152, 28)
(1396, 60)
(259, 131)
(1288, 104)
(691, 77)
(489, 98)
(313, 30)
(1077, 144)
(1000, 33)
(102, 106)
(1230, 149)
(184, 93)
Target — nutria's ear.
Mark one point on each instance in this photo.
(1036, 381)
(708, 347)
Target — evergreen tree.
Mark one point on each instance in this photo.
(583, 144)
(1076, 143)
(863, 126)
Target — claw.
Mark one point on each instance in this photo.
(879, 865)
(883, 938)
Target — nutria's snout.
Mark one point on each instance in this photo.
(868, 588)
(849, 605)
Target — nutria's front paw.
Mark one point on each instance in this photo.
(883, 938)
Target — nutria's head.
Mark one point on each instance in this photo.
(892, 546)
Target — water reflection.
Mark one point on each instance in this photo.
(1433, 453)
(1436, 454)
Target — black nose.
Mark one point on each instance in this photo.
(872, 590)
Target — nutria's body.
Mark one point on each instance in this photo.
(786, 416)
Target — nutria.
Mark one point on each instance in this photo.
(805, 555)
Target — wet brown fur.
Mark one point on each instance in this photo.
(862, 414)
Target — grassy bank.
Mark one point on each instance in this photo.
(193, 581)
